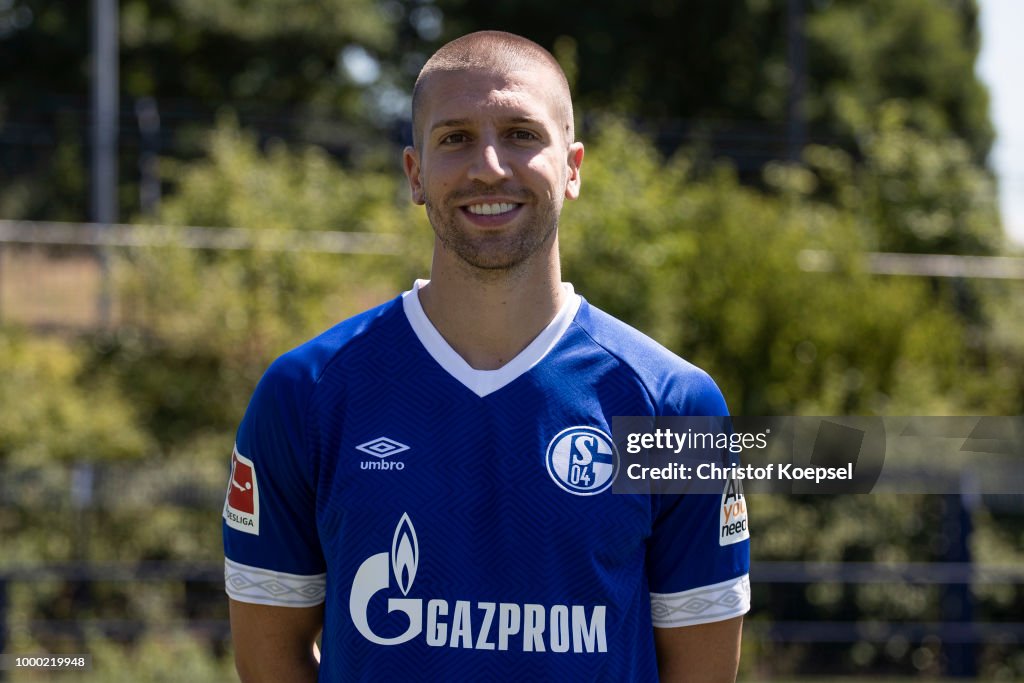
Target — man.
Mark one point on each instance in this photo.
(428, 483)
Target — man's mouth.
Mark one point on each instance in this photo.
(495, 209)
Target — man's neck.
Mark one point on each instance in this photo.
(488, 318)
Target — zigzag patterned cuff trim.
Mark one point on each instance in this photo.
(267, 587)
(703, 605)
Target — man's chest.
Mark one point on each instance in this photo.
(492, 492)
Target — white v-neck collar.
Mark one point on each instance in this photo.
(483, 382)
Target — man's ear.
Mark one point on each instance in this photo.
(411, 163)
(575, 160)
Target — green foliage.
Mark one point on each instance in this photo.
(281, 63)
(168, 658)
(360, 20)
(50, 411)
(239, 184)
(863, 53)
(278, 62)
(726, 62)
(914, 192)
(202, 325)
(712, 269)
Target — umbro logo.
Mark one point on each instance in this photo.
(382, 447)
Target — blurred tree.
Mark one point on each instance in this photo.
(865, 52)
(708, 266)
(312, 71)
(725, 63)
(680, 248)
(921, 192)
(338, 73)
(51, 409)
(711, 268)
(282, 53)
(201, 326)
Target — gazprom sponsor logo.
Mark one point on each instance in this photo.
(474, 625)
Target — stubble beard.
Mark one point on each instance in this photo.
(497, 252)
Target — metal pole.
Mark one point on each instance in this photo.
(957, 601)
(104, 133)
(83, 477)
(3, 255)
(149, 148)
(3, 622)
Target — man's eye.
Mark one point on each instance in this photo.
(524, 135)
(454, 138)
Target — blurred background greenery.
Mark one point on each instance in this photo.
(725, 141)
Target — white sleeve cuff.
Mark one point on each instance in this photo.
(703, 605)
(266, 587)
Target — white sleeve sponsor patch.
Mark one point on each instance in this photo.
(733, 514)
(242, 503)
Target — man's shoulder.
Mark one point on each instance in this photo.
(631, 346)
(670, 379)
(306, 363)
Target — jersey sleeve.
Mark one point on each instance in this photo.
(698, 554)
(272, 553)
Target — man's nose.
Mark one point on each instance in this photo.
(490, 164)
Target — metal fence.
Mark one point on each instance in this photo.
(55, 274)
(82, 490)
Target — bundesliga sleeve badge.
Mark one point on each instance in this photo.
(242, 504)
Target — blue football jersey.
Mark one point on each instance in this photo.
(459, 523)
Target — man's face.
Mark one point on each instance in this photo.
(494, 164)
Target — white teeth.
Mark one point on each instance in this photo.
(490, 209)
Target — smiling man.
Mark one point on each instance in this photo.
(427, 486)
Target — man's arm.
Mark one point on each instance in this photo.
(705, 653)
(275, 643)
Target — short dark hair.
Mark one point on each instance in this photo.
(496, 51)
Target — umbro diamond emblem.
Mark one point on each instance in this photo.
(382, 447)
